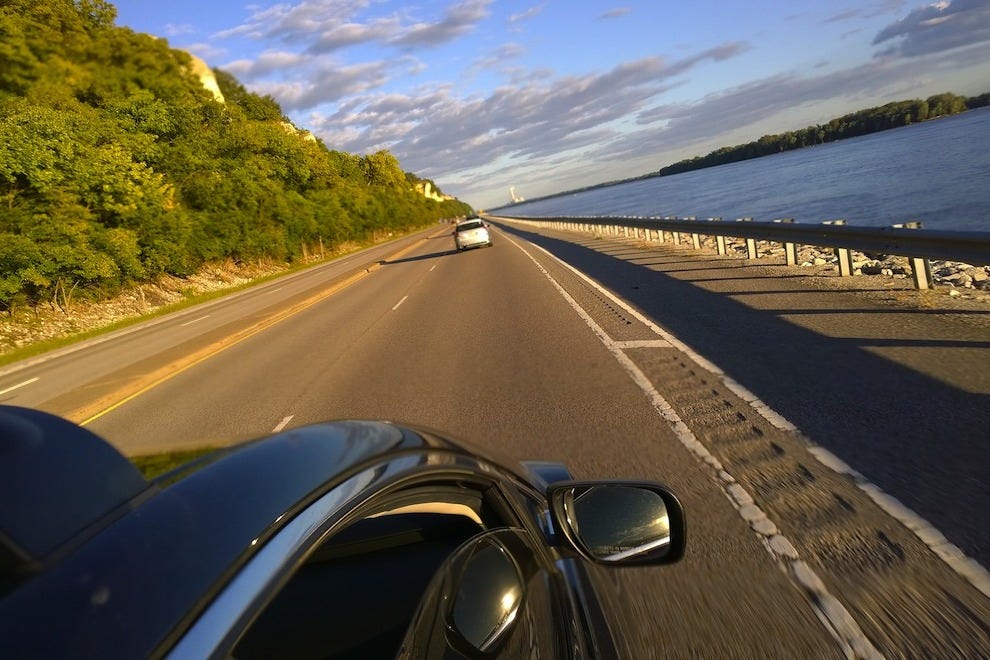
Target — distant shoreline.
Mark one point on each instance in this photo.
(862, 122)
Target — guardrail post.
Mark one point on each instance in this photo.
(663, 233)
(790, 249)
(689, 217)
(719, 240)
(750, 242)
(921, 268)
(695, 239)
(843, 254)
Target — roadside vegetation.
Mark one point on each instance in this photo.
(118, 167)
(155, 465)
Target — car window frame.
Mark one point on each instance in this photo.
(226, 619)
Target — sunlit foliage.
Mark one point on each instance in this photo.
(117, 165)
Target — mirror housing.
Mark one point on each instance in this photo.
(489, 593)
(618, 523)
(473, 603)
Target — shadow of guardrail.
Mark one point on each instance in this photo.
(919, 438)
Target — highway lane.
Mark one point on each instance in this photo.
(65, 378)
(509, 348)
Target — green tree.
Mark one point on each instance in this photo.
(382, 169)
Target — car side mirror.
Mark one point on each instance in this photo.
(618, 523)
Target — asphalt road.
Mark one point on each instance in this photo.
(674, 381)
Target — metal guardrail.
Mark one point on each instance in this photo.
(907, 240)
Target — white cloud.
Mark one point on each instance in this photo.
(937, 28)
(615, 13)
(327, 83)
(501, 55)
(323, 26)
(458, 20)
(173, 30)
(432, 128)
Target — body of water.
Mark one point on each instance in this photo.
(937, 172)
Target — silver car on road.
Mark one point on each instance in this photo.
(472, 232)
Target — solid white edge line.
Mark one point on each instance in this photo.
(644, 343)
(399, 303)
(773, 417)
(966, 567)
(19, 385)
(281, 425)
(830, 611)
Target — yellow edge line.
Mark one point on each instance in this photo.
(124, 395)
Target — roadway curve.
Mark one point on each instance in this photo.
(512, 349)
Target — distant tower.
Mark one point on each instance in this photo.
(515, 198)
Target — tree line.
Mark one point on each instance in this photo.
(117, 166)
(862, 122)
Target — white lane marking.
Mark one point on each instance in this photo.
(644, 343)
(775, 418)
(182, 325)
(281, 425)
(19, 385)
(951, 554)
(274, 290)
(966, 567)
(830, 611)
(433, 268)
(399, 303)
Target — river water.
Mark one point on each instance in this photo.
(937, 172)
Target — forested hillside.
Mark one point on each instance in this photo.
(118, 166)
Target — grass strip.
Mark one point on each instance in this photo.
(153, 465)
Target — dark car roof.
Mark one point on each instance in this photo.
(181, 540)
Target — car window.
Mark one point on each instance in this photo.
(465, 226)
(356, 593)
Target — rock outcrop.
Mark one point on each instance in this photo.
(202, 70)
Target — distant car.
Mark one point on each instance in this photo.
(472, 232)
(344, 539)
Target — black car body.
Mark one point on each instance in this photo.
(345, 539)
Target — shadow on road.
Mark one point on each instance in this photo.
(920, 439)
(422, 257)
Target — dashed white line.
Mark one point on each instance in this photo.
(399, 303)
(830, 611)
(194, 321)
(433, 268)
(18, 386)
(281, 425)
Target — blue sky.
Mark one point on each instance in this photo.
(549, 95)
